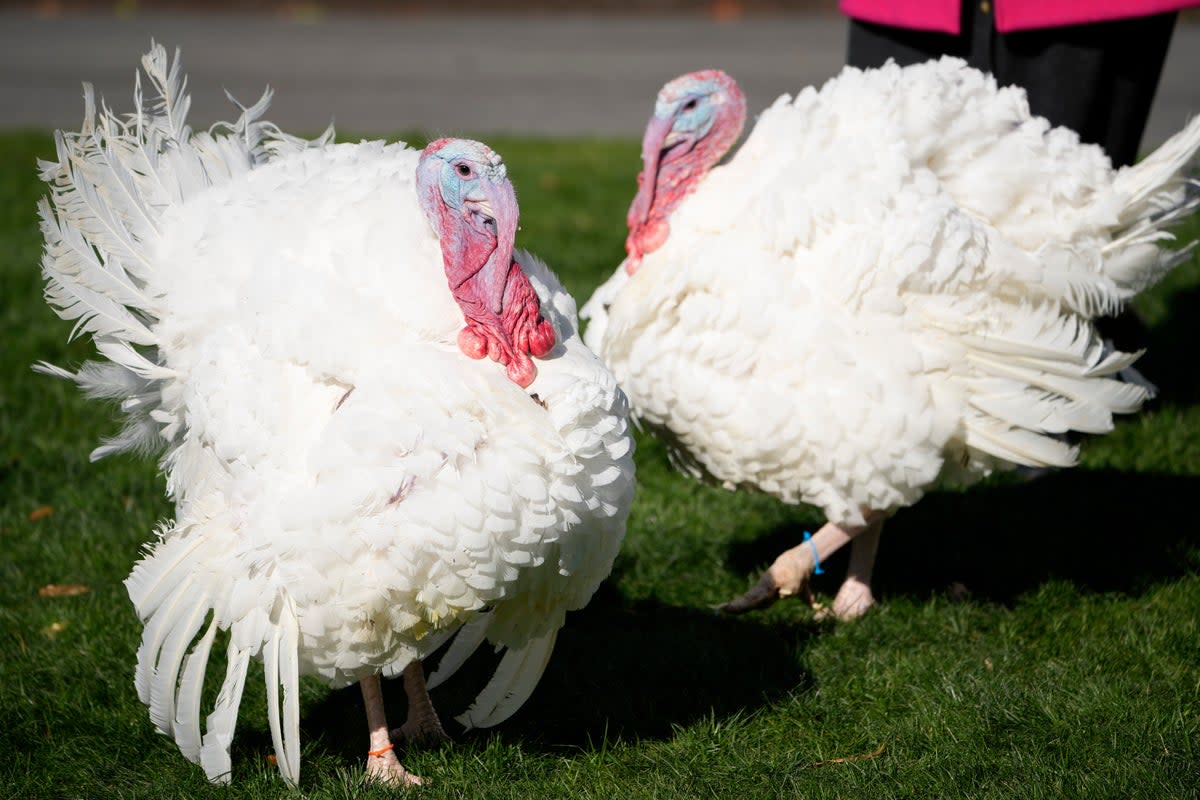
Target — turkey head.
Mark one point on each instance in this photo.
(697, 118)
(464, 191)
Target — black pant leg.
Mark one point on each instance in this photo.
(871, 45)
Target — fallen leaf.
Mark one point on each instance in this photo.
(54, 629)
(40, 512)
(63, 589)
(861, 757)
(271, 759)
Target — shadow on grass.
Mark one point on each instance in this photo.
(618, 672)
(1103, 531)
(1170, 356)
(631, 672)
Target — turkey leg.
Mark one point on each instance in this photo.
(382, 764)
(855, 597)
(422, 728)
(791, 570)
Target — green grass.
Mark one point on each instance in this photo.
(1069, 668)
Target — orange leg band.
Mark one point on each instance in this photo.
(382, 750)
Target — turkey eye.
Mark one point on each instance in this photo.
(689, 105)
(464, 170)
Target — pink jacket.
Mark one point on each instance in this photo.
(1011, 15)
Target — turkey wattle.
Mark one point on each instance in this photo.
(291, 322)
(892, 283)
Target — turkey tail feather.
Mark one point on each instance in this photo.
(1156, 183)
(514, 680)
(176, 590)
(466, 642)
(109, 188)
(214, 751)
(164, 687)
(187, 703)
(281, 668)
(1155, 194)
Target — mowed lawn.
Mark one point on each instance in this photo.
(1035, 639)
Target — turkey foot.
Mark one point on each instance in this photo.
(854, 598)
(382, 764)
(422, 728)
(790, 572)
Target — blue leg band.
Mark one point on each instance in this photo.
(816, 558)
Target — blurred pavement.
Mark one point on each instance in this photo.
(374, 75)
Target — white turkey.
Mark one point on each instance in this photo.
(892, 284)
(301, 327)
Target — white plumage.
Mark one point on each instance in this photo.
(350, 488)
(892, 283)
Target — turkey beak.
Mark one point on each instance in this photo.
(653, 144)
(493, 210)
